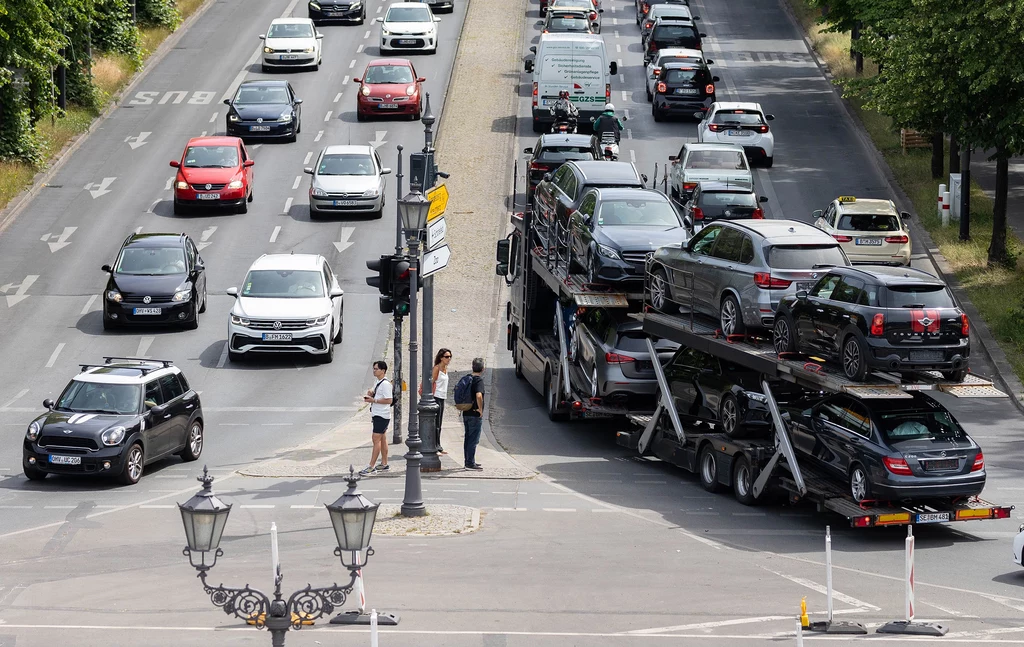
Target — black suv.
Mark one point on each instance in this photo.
(114, 419)
(156, 279)
(889, 319)
(672, 34)
(559, 194)
(681, 88)
(553, 150)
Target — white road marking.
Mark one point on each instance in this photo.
(625, 111)
(599, 510)
(204, 239)
(213, 118)
(657, 482)
(618, 48)
(378, 139)
(352, 64)
(509, 509)
(15, 507)
(359, 50)
(170, 182)
(156, 506)
(252, 506)
(138, 230)
(616, 31)
(88, 304)
(273, 236)
(20, 395)
(101, 187)
(508, 492)
(309, 155)
(343, 242)
(327, 117)
(53, 356)
(304, 507)
(632, 156)
(59, 507)
(625, 95)
(19, 290)
(276, 424)
(622, 78)
(379, 8)
(144, 345)
(137, 140)
(820, 588)
(288, 205)
(202, 134)
(221, 361)
(337, 97)
(706, 625)
(318, 136)
(153, 206)
(345, 80)
(629, 133)
(367, 34)
(559, 509)
(295, 184)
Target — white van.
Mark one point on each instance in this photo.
(574, 62)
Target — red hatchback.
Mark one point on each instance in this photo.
(389, 87)
(215, 172)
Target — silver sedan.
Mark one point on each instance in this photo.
(347, 179)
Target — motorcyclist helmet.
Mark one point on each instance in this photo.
(609, 107)
(564, 94)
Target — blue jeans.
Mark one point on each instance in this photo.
(473, 424)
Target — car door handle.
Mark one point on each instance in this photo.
(818, 310)
(167, 416)
(190, 406)
(700, 261)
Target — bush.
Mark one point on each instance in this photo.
(157, 13)
(113, 30)
(18, 140)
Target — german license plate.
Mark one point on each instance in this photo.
(644, 365)
(686, 90)
(259, 129)
(407, 41)
(277, 336)
(869, 241)
(932, 517)
(940, 464)
(146, 311)
(804, 285)
(926, 355)
(388, 106)
(344, 203)
(208, 196)
(331, 14)
(65, 460)
(738, 133)
(289, 57)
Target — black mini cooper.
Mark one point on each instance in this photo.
(889, 319)
(114, 419)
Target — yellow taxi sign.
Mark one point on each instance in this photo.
(847, 198)
(438, 197)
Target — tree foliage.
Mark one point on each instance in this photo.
(157, 13)
(113, 29)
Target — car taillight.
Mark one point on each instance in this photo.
(662, 88)
(657, 71)
(896, 465)
(615, 358)
(979, 462)
(689, 186)
(608, 92)
(841, 238)
(767, 281)
(593, 15)
(709, 89)
(535, 93)
(901, 240)
(534, 166)
(698, 213)
(878, 325)
(965, 325)
(762, 128)
(715, 128)
(648, 24)
(654, 46)
(545, 31)
(758, 214)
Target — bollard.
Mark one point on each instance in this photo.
(362, 591)
(945, 209)
(910, 574)
(830, 625)
(942, 189)
(804, 620)
(799, 635)
(373, 628)
(909, 626)
(360, 615)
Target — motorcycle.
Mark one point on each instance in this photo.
(565, 122)
(609, 144)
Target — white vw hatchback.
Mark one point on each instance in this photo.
(292, 42)
(408, 26)
(288, 303)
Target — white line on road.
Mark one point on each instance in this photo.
(255, 55)
(359, 50)
(629, 133)
(309, 155)
(304, 507)
(273, 236)
(295, 184)
(618, 48)
(337, 97)
(153, 206)
(156, 506)
(508, 492)
(345, 80)
(625, 96)
(367, 34)
(379, 8)
(144, 345)
(223, 359)
(202, 134)
(509, 509)
(288, 205)
(318, 136)
(352, 64)
(253, 506)
(820, 588)
(599, 510)
(170, 181)
(622, 78)
(559, 509)
(616, 33)
(88, 304)
(20, 395)
(706, 625)
(276, 424)
(327, 117)
(625, 111)
(53, 357)
(59, 507)
(632, 156)
(15, 507)
(213, 118)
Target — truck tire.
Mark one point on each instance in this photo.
(707, 468)
(551, 398)
(743, 481)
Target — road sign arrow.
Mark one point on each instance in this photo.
(435, 260)
(379, 140)
(139, 140)
(344, 242)
(101, 188)
(62, 240)
(19, 295)
(204, 239)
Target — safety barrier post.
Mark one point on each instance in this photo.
(360, 616)
(373, 628)
(942, 189)
(908, 625)
(830, 625)
(945, 209)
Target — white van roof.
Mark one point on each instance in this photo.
(593, 40)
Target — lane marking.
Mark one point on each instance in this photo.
(705, 625)
(367, 34)
(153, 206)
(273, 236)
(144, 345)
(622, 78)
(309, 155)
(359, 50)
(820, 588)
(618, 48)
(345, 80)
(337, 97)
(15, 507)
(327, 117)
(288, 205)
(625, 96)
(53, 356)
(20, 395)
(253, 506)
(170, 181)
(318, 136)
(295, 184)
(304, 507)
(632, 156)
(559, 509)
(352, 64)
(509, 509)
(223, 359)
(252, 59)
(379, 8)
(88, 304)
(275, 424)
(213, 118)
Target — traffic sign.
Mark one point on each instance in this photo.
(438, 197)
(436, 232)
(435, 260)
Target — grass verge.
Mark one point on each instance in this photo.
(997, 293)
(111, 72)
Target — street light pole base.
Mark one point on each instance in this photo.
(913, 628)
(384, 618)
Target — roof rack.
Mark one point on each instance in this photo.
(153, 364)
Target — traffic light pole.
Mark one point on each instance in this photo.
(396, 437)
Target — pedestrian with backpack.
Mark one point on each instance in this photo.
(469, 399)
(380, 398)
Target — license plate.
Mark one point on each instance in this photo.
(207, 196)
(926, 355)
(65, 460)
(869, 241)
(259, 129)
(686, 91)
(407, 41)
(277, 336)
(146, 311)
(738, 133)
(388, 106)
(644, 365)
(941, 464)
(932, 517)
(344, 203)
(331, 14)
(804, 285)
(289, 57)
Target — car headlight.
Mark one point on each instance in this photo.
(411, 90)
(355, 5)
(319, 321)
(285, 117)
(365, 91)
(317, 192)
(184, 292)
(371, 193)
(235, 184)
(315, 5)
(756, 397)
(33, 430)
(239, 321)
(233, 118)
(113, 436)
(268, 50)
(308, 50)
(385, 32)
(181, 184)
(608, 252)
(114, 295)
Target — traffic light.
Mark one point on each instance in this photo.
(382, 281)
(400, 286)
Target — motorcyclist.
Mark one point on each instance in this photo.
(565, 110)
(607, 122)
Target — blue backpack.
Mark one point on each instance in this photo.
(464, 393)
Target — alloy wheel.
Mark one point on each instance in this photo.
(135, 463)
(729, 316)
(659, 291)
(851, 358)
(195, 439)
(782, 336)
(859, 484)
(742, 483)
(730, 415)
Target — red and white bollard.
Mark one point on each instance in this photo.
(942, 189)
(945, 209)
(910, 572)
(909, 626)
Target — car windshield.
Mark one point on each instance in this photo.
(868, 222)
(211, 157)
(716, 160)
(408, 14)
(283, 284)
(290, 31)
(383, 74)
(740, 117)
(637, 213)
(918, 296)
(804, 257)
(151, 261)
(346, 164)
(90, 397)
(261, 94)
(560, 154)
(568, 23)
(901, 426)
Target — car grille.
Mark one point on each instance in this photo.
(136, 298)
(391, 100)
(269, 324)
(314, 341)
(67, 441)
(635, 256)
(418, 42)
(342, 196)
(208, 187)
(333, 7)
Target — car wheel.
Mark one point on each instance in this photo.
(202, 308)
(729, 416)
(860, 486)
(595, 391)
(854, 359)
(959, 375)
(730, 316)
(341, 331)
(782, 335)
(362, 17)
(264, 68)
(659, 296)
(234, 356)
(294, 136)
(251, 193)
(179, 209)
(656, 114)
(551, 398)
(327, 357)
(574, 344)
(134, 462)
(416, 117)
(33, 473)
(708, 468)
(193, 443)
(108, 324)
(743, 481)
(768, 161)
(360, 116)
(591, 269)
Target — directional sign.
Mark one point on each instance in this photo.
(435, 260)
(438, 197)
(379, 140)
(204, 239)
(100, 187)
(62, 240)
(138, 140)
(436, 232)
(343, 242)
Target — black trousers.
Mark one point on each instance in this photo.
(440, 418)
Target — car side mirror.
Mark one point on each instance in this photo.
(175, 164)
(385, 171)
(769, 117)
(263, 36)
(816, 214)
(801, 294)
(248, 163)
(675, 158)
(308, 170)
(298, 101)
(715, 79)
(703, 35)
(48, 403)
(528, 150)
(232, 292)
(421, 79)
(613, 68)
(319, 36)
(357, 80)
(547, 177)
(337, 292)
(533, 48)
(763, 198)
(200, 265)
(709, 61)
(699, 116)
(107, 269)
(227, 102)
(157, 409)
(905, 215)
(504, 252)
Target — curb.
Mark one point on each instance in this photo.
(995, 354)
(43, 177)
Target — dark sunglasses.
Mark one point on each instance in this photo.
(446, 357)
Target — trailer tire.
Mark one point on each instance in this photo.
(707, 468)
(551, 400)
(860, 484)
(743, 481)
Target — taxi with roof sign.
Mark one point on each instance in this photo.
(871, 231)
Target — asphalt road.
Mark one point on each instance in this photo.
(51, 317)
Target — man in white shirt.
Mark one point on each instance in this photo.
(380, 398)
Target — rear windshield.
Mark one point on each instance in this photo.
(718, 160)
(918, 296)
(559, 154)
(637, 213)
(681, 75)
(739, 117)
(636, 342)
(804, 257)
(868, 222)
(568, 24)
(676, 34)
(727, 199)
(920, 425)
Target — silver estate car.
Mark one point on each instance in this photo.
(347, 179)
(737, 271)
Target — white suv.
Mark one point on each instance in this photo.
(742, 123)
(288, 303)
(408, 25)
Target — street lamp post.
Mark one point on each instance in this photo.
(431, 461)
(396, 433)
(413, 210)
(205, 517)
